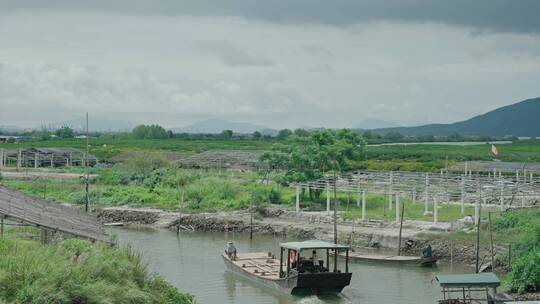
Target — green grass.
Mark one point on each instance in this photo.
(108, 147)
(168, 188)
(406, 157)
(173, 188)
(515, 152)
(76, 271)
(519, 228)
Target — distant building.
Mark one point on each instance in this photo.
(9, 139)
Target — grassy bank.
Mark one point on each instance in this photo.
(516, 229)
(170, 188)
(76, 271)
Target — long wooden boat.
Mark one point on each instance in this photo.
(393, 259)
(295, 275)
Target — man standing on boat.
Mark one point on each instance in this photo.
(231, 251)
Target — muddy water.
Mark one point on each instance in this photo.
(191, 261)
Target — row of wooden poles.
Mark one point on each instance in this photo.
(42, 160)
(387, 186)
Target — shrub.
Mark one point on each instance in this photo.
(525, 274)
(77, 271)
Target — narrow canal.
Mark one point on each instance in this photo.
(192, 262)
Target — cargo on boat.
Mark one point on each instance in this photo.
(298, 270)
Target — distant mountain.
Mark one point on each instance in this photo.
(13, 129)
(374, 123)
(213, 126)
(96, 124)
(520, 119)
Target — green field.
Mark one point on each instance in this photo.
(390, 157)
(106, 147)
(526, 151)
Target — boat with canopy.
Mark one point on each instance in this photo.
(299, 269)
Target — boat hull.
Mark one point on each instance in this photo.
(303, 283)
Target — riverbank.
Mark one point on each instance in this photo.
(416, 235)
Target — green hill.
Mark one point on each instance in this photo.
(520, 119)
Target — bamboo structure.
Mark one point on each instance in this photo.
(462, 189)
(45, 157)
(17, 206)
(223, 159)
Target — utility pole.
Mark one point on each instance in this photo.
(87, 179)
(335, 205)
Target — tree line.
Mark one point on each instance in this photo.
(155, 131)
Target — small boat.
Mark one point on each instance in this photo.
(394, 259)
(294, 272)
(471, 288)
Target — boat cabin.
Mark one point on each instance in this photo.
(302, 260)
(470, 288)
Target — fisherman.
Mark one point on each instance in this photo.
(231, 251)
(428, 252)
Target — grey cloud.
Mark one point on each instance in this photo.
(234, 56)
(319, 51)
(491, 15)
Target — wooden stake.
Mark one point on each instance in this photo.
(491, 240)
(478, 238)
(335, 211)
(2, 226)
(451, 254)
(251, 219)
(400, 228)
(87, 179)
(510, 256)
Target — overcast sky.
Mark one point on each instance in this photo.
(277, 63)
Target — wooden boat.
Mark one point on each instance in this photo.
(296, 274)
(393, 259)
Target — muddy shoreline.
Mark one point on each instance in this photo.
(307, 225)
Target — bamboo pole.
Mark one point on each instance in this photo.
(491, 241)
(400, 226)
(87, 179)
(2, 226)
(478, 239)
(251, 219)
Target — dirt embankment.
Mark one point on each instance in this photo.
(307, 225)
